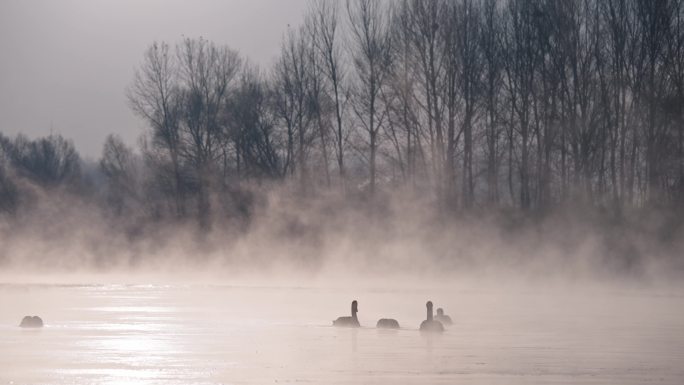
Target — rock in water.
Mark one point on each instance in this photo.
(31, 322)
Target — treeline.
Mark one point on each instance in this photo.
(525, 104)
(44, 164)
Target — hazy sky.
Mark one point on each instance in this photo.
(65, 64)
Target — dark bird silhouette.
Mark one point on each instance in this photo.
(31, 322)
(350, 322)
(387, 323)
(431, 325)
(443, 318)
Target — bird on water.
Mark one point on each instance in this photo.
(31, 322)
(443, 318)
(430, 324)
(387, 323)
(350, 322)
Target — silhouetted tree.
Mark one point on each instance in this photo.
(155, 96)
(371, 50)
(121, 168)
(51, 161)
(324, 29)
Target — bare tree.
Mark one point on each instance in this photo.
(119, 165)
(252, 128)
(521, 68)
(653, 24)
(403, 86)
(579, 101)
(206, 74)
(372, 55)
(291, 88)
(490, 41)
(429, 50)
(155, 96)
(9, 193)
(463, 65)
(51, 161)
(319, 103)
(325, 16)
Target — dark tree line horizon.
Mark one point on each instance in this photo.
(529, 105)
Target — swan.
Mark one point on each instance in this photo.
(31, 322)
(351, 322)
(387, 323)
(431, 325)
(443, 318)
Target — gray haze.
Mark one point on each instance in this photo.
(65, 64)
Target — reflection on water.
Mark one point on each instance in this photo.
(147, 334)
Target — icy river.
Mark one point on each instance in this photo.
(223, 334)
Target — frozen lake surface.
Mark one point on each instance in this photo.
(213, 334)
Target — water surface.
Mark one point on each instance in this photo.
(220, 334)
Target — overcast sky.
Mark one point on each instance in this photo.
(65, 64)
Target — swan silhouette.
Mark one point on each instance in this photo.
(443, 318)
(31, 322)
(350, 322)
(387, 323)
(431, 325)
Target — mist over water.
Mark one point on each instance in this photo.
(568, 297)
(518, 164)
(532, 302)
(401, 234)
(204, 333)
(254, 304)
